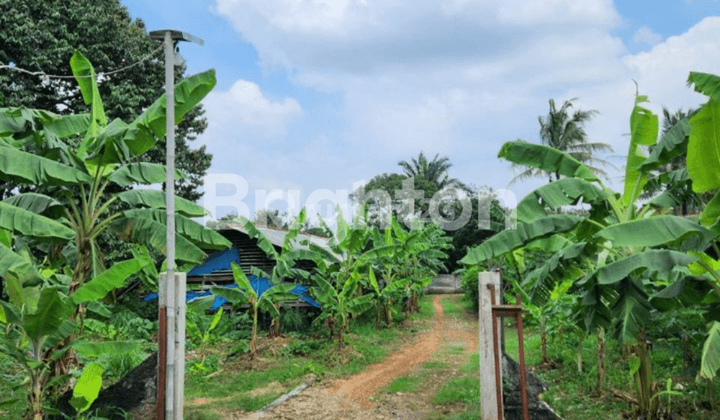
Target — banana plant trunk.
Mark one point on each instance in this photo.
(647, 405)
(36, 396)
(600, 378)
(253, 339)
(543, 341)
(580, 355)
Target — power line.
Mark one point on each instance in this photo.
(46, 76)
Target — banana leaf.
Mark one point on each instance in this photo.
(631, 310)
(545, 158)
(52, 311)
(155, 199)
(704, 147)
(705, 83)
(539, 282)
(710, 362)
(711, 212)
(655, 263)
(27, 168)
(643, 132)
(196, 233)
(509, 240)
(686, 292)
(671, 145)
(37, 203)
(65, 126)
(87, 388)
(565, 191)
(93, 349)
(18, 273)
(151, 123)
(145, 173)
(154, 235)
(87, 81)
(30, 224)
(262, 241)
(111, 279)
(655, 231)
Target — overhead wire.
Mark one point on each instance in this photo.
(46, 76)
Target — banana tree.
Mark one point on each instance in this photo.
(267, 301)
(625, 249)
(339, 303)
(77, 158)
(39, 321)
(385, 296)
(68, 165)
(702, 167)
(285, 260)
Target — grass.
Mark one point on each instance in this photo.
(238, 390)
(402, 384)
(10, 390)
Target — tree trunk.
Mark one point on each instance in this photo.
(253, 340)
(543, 341)
(36, 396)
(580, 355)
(642, 378)
(600, 379)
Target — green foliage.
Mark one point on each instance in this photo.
(42, 36)
(87, 387)
(623, 257)
(46, 301)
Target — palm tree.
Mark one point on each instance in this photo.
(434, 172)
(430, 177)
(564, 131)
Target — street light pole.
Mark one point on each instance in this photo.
(171, 290)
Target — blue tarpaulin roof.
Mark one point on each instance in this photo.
(260, 285)
(216, 261)
(221, 261)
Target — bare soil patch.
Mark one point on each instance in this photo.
(357, 397)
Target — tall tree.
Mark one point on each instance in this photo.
(564, 131)
(41, 35)
(431, 174)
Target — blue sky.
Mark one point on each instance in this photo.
(314, 96)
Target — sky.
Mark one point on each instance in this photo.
(314, 97)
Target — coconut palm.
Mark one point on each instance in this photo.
(434, 172)
(564, 131)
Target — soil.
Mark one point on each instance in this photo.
(358, 396)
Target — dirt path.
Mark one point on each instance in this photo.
(357, 397)
(365, 384)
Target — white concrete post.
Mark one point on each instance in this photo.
(171, 316)
(179, 373)
(488, 390)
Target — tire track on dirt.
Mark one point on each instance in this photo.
(365, 384)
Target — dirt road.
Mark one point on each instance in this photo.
(357, 397)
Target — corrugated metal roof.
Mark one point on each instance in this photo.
(277, 236)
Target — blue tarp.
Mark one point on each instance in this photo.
(221, 261)
(260, 285)
(216, 261)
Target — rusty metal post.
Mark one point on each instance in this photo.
(498, 357)
(521, 356)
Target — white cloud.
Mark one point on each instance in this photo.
(243, 110)
(457, 77)
(646, 35)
